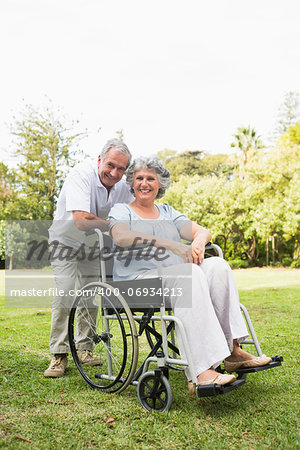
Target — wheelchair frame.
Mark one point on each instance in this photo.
(111, 326)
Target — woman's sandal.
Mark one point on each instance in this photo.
(233, 366)
(221, 379)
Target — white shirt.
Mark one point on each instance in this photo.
(167, 225)
(83, 191)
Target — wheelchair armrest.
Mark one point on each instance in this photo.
(214, 247)
(89, 232)
(210, 246)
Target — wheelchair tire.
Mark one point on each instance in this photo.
(154, 392)
(107, 329)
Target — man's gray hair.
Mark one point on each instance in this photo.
(119, 145)
(154, 164)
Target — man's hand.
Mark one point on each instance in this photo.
(85, 221)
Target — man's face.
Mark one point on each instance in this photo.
(112, 167)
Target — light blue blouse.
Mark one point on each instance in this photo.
(167, 225)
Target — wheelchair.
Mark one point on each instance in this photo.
(118, 319)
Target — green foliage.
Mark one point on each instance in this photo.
(288, 114)
(15, 241)
(287, 261)
(238, 264)
(245, 213)
(11, 201)
(195, 162)
(247, 142)
(296, 264)
(2, 239)
(44, 148)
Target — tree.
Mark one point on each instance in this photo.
(288, 114)
(120, 134)
(275, 178)
(247, 142)
(44, 145)
(12, 205)
(2, 239)
(194, 162)
(15, 241)
(248, 215)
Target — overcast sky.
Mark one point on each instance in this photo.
(172, 74)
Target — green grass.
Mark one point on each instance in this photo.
(64, 413)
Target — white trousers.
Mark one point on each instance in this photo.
(208, 309)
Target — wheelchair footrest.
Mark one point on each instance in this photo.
(211, 390)
(276, 361)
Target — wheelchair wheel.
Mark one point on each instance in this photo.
(154, 392)
(102, 323)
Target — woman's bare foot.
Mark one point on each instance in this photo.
(212, 377)
(239, 354)
(207, 375)
(239, 359)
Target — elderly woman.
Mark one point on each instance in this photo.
(206, 298)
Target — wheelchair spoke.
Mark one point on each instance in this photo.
(113, 339)
(154, 391)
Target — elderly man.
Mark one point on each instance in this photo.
(88, 194)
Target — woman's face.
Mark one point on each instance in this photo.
(145, 184)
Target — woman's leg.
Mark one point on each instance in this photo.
(194, 308)
(225, 299)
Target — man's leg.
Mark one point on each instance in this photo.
(65, 272)
(87, 311)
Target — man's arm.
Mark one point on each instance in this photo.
(84, 221)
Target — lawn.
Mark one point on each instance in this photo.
(64, 413)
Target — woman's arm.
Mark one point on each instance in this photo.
(124, 237)
(199, 236)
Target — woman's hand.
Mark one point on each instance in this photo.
(182, 250)
(199, 236)
(198, 249)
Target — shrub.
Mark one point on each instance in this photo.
(238, 264)
(275, 264)
(296, 264)
(287, 261)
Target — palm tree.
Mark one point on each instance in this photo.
(248, 142)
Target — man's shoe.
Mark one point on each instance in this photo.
(57, 367)
(86, 357)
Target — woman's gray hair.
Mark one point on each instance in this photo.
(118, 145)
(154, 164)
